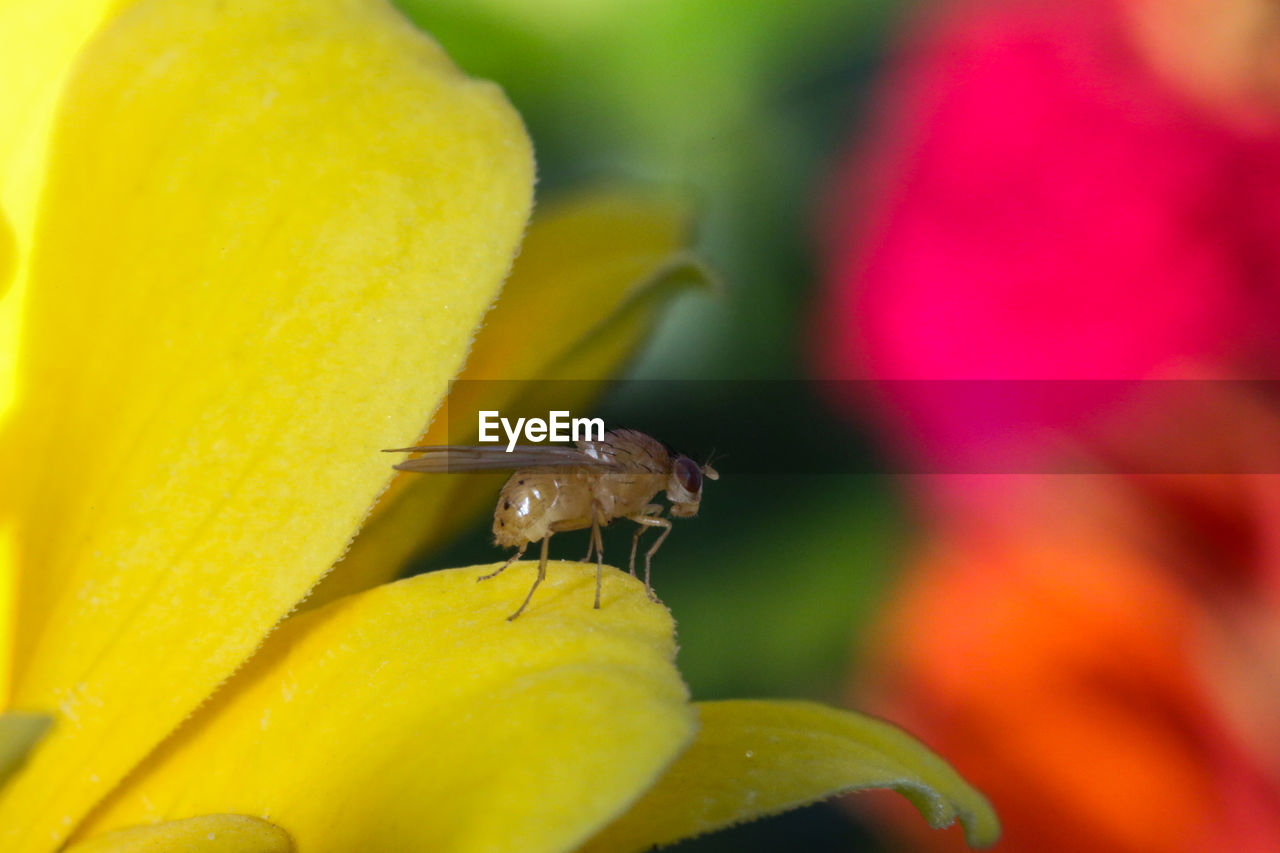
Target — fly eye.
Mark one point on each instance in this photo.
(689, 475)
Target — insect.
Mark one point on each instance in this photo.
(557, 488)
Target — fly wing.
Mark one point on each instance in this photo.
(453, 458)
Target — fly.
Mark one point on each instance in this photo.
(558, 488)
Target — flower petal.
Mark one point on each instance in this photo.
(215, 833)
(41, 43)
(414, 716)
(8, 607)
(754, 758)
(585, 258)
(8, 265)
(38, 46)
(593, 274)
(268, 234)
(20, 731)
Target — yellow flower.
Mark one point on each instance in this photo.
(247, 244)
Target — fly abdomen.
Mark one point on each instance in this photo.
(532, 501)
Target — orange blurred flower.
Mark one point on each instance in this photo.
(1100, 665)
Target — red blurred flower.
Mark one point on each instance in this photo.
(1082, 190)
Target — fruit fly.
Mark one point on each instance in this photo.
(557, 488)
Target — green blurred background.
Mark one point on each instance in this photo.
(747, 108)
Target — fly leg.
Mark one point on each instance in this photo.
(493, 574)
(650, 521)
(595, 545)
(649, 509)
(542, 573)
(598, 542)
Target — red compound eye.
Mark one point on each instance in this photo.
(689, 475)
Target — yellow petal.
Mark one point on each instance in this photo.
(8, 264)
(38, 45)
(269, 232)
(215, 833)
(8, 606)
(594, 272)
(10, 315)
(754, 758)
(414, 716)
(584, 259)
(602, 352)
(41, 42)
(20, 731)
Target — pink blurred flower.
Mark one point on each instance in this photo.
(1040, 204)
